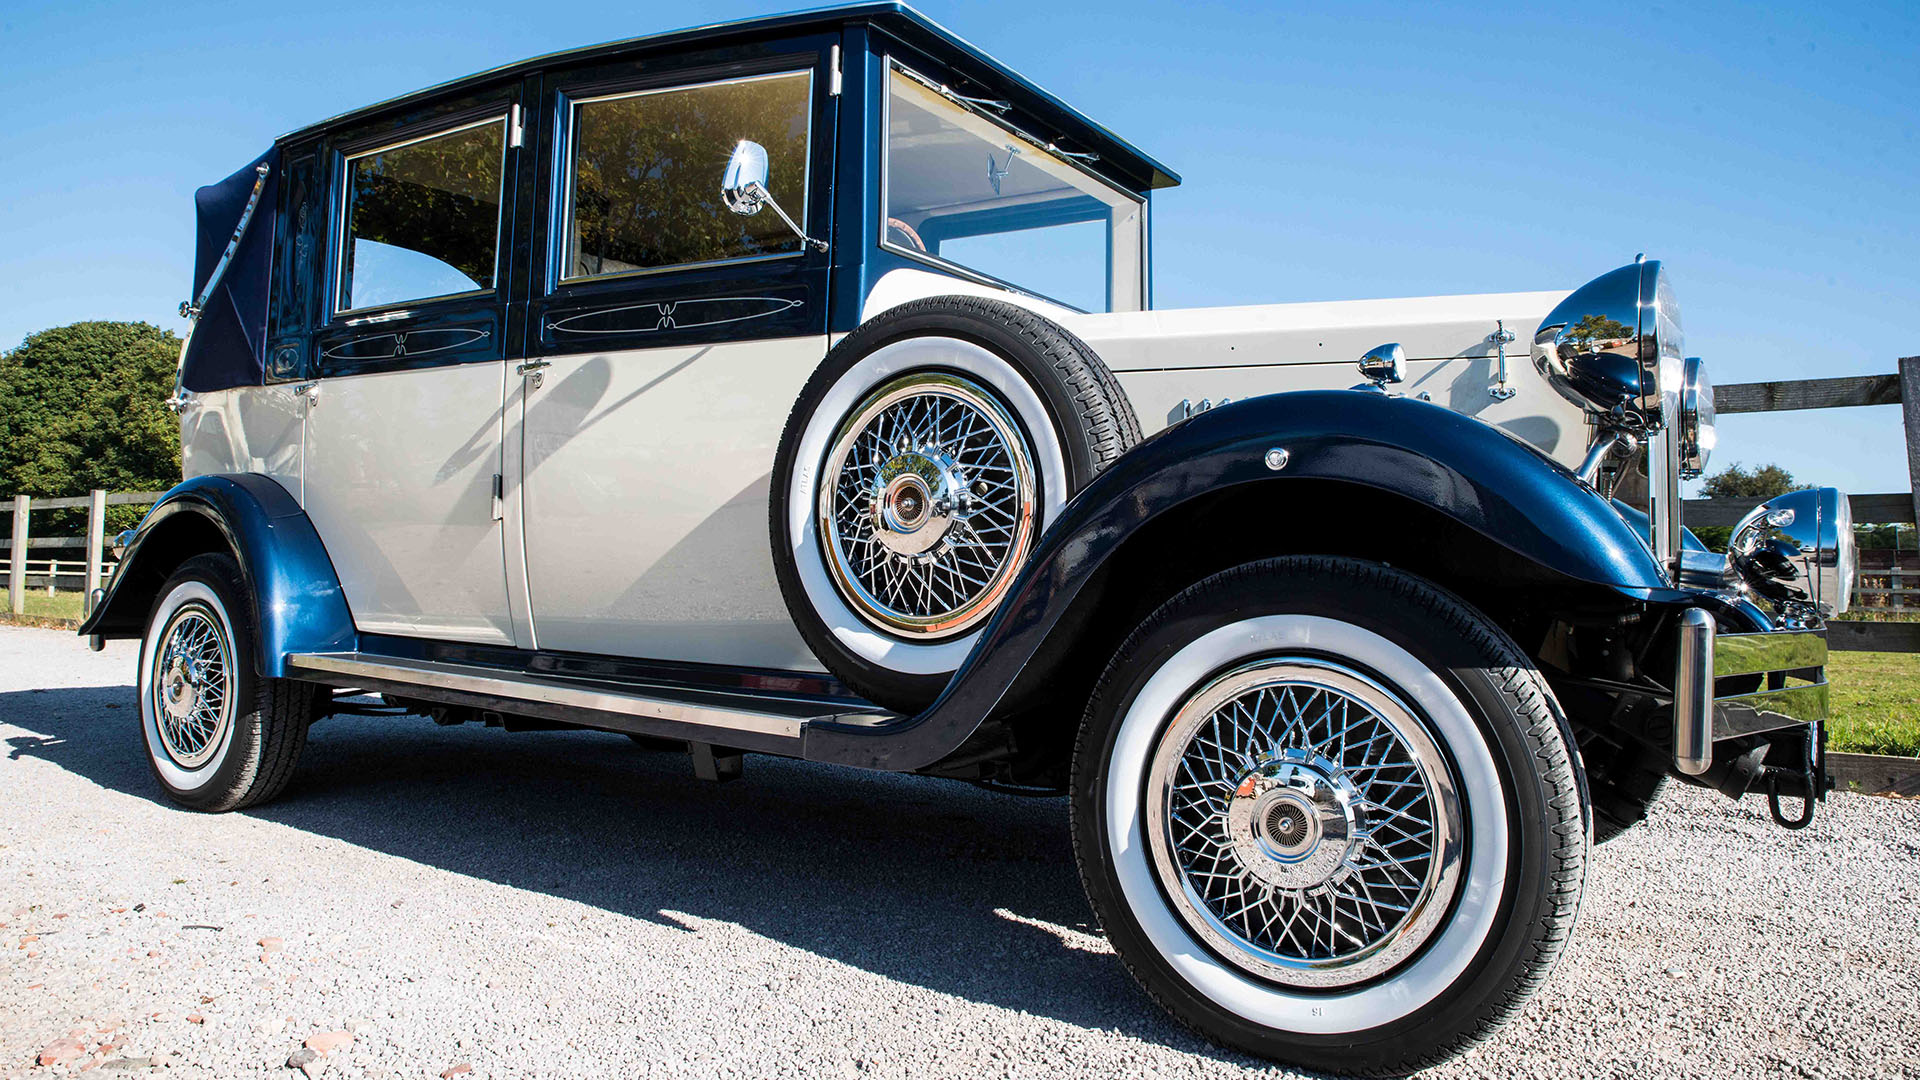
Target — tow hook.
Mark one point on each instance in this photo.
(1809, 783)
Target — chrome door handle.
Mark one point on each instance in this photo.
(533, 368)
(309, 390)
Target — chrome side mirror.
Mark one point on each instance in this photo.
(744, 187)
(1383, 364)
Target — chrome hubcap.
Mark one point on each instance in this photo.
(927, 506)
(1304, 823)
(192, 685)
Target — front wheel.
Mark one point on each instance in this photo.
(218, 736)
(1330, 815)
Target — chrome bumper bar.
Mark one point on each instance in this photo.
(1701, 718)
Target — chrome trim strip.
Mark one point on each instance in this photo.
(1769, 710)
(1778, 650)
(506, 684)
(1693, 694)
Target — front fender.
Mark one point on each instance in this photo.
(298, 605)
(1467, 470)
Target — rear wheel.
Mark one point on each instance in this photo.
(218, 736)
(1330, 815)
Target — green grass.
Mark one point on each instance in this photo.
(1875, 700)
(61, 605)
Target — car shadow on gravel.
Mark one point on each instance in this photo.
(933, 883)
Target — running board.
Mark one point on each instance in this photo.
(768, 723)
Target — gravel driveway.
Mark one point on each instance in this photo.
(566, 904)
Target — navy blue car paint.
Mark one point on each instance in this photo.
(298, 603)
(228, 346)
(1467, 470)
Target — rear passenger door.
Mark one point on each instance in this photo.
(404, 429)
(676, 335)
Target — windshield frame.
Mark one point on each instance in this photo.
(1128, 287)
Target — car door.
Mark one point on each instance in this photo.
(404, 433)
(673, 336)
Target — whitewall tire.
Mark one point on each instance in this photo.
(217, 735)
(918, 469)
(1329, 814)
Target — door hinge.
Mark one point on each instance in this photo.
(833, 72)
(499, 497)
(516, 127)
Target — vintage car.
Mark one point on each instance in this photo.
(793, 387)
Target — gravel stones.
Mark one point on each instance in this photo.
(807, 922)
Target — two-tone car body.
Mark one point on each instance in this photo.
(793, 387)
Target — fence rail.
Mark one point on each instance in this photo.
(90, 571)
(1902, 387)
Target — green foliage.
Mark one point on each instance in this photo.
(82, 407)
(1735, 482)
(1884, 537)
(1714, 536)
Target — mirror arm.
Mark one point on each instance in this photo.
(761, 193)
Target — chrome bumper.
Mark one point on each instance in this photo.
(1792, 667)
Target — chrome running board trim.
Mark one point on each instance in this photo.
(670, 710)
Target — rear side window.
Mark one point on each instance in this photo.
(643, 184)
(422, 218)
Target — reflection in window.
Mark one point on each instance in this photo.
(966, 190)
(423, 219)
(645, 185)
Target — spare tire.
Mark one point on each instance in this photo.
(920, 464)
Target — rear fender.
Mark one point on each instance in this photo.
(297, 601)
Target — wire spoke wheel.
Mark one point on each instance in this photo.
(192, 685)
(1304, 823)
(927, 505)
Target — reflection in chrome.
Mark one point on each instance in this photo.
(192, 686)
(1798, 551)
(678, 314)
(1381, 365)
(1304, 823)
(927, 505)
(1697, 434)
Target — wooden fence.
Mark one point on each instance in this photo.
(1900, 388)
(86, 569)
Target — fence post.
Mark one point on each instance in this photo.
(17, 558)
(1910, 418)
(96, 539)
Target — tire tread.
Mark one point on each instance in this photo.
(1548, 735)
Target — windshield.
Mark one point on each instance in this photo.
(965, 190)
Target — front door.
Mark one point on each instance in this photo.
(676, 336)
(404, 435)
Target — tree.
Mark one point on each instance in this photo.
(82, 407)
(1734, 482)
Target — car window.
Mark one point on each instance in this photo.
(964, 189)
(422, 218)
(643, 186)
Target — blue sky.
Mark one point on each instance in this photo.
(1767, 154)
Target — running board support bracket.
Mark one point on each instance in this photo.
(715, 764)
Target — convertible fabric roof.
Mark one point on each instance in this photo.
(228, 347)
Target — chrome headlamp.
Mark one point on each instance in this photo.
(1797, 550)
(1697, 436)
(1613, 347)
